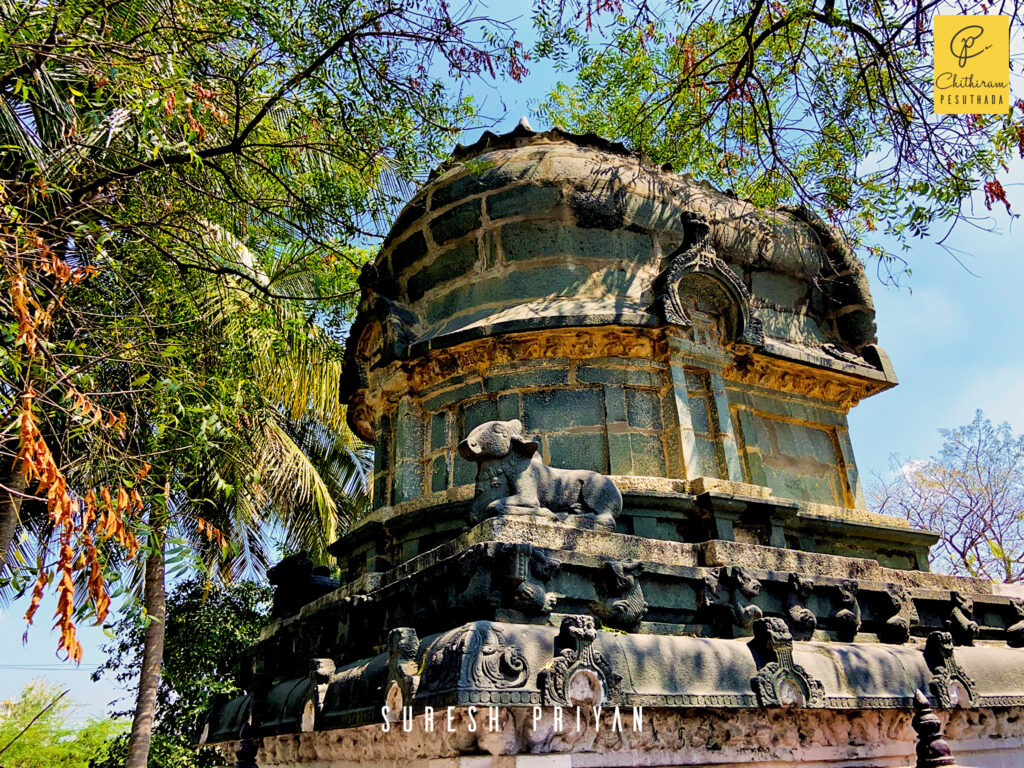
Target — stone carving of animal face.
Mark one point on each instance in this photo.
(495, 439)
(745, 582)
(801, 587)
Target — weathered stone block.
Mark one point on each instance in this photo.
(439, 427)
(634, 377)
(556, 409)
(508, 407)
(699, 417)
(457, 222)
(476, 413)
(578, 451)
(439, 474)
(463, 472)
(522, 240)
(643, 408)
(620, 454)
(448, 266)
(522, 201)
(408, 480)
(407, 252)
(526, 378)
(614, 405)
(447, 397)
(515, 287)
(648, 454)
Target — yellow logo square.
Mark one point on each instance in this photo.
(972, 65)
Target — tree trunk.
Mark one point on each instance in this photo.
(155, 598)
(10, 511)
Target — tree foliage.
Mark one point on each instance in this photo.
(188, 191)
(209, 627)
(51, 741)
(972, 493)
(817, 102)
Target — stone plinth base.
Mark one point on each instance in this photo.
(983, 738)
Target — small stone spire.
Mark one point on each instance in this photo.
(524, 123)
(932, 749)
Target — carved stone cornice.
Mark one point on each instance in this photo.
(782, 376)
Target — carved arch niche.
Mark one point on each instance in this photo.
(698, 288)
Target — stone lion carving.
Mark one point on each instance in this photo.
(512, 479)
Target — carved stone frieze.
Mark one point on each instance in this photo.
(622, 604)
(727, 597)
(781, 682)
(950, 685)
(960, 623)
(781, 376)
(846, 617)
(902, 615)
(1015, 632)
(529, 571)
(800, 618)
(579, 674)
(474, 656)
(478, 355)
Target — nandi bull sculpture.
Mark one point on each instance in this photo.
(512, 479)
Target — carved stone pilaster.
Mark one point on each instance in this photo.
(950, 685)
(579, 674)
(780, 681)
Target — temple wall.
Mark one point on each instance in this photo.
(621, 402)
(985, 738)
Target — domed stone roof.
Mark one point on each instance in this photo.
(531, 230)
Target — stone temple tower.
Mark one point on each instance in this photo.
(608, 405)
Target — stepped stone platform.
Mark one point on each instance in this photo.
(617, 518)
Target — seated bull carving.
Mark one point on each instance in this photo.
(512, 479)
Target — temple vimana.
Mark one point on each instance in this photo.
(617, 518)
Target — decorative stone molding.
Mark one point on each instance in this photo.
(800, 618)
(578, 343)
(779, 375)
(846, 617)
(902, 615)
(619, 584)
(726, 596)
(960, 623)
(530, 570)
(579, 674)
(781, 682)
(403, 671)
(950, 685)
(695, 270)
(476, 655)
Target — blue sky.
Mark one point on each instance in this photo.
(954, 338)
